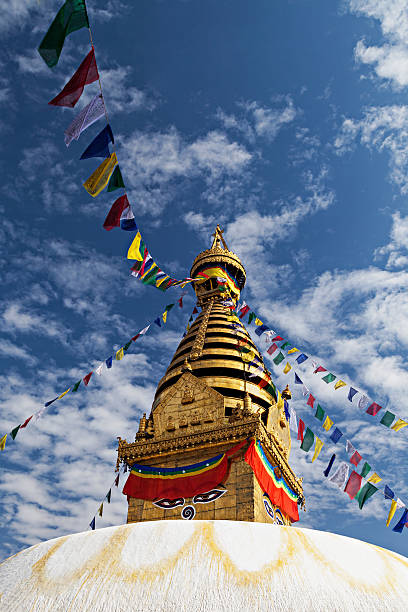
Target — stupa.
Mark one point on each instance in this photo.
(212, 498)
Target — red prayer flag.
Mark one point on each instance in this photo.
(113, 218)
(243, 312)
(180, 301)
(87, 73)
(26, 422)
(353, 484)
(262, 383)
(355, 458)
(135, 337)
(195, 311)
(87, 378)
(311, 400)
(117, 481)
(301, 430)
(373, 409)
(319, 369)
(272, 348)
(277, 338)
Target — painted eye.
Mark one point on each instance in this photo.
(209, 496)
(166, 504)
(188, 513)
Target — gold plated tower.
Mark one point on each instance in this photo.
(206, 402)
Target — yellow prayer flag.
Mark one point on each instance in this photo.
(318, 448)
(164, 316)
(391, 512)
(161, 280)
(339, 383)
(120, 354)
(62, 394)
(258, 322)
(188, 326)
(287, 368)
(100, 510)
(374, 478)
(399, 424)
(3, 442)
(100, 177)
(293, 350)
(327, 423)
(134, 249)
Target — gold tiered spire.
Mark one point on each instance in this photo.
(210, 397)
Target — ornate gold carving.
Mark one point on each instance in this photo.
(188, 395)
(198, 345)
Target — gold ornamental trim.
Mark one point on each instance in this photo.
(214, 256)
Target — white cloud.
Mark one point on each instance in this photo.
(15, 319)
(384, 128)
(397, 249)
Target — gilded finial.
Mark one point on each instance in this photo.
(218, 238)
(186, 367)
(286, 394)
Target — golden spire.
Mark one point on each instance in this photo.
(218, 238)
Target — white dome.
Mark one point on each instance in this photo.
(204, 566)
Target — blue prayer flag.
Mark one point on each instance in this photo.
(351, 394)
(157, 321)
(388, 493)
(261, 329)
(401, 523)
(92, 524)
(329, 465)
(286, 407)
(336, 435)
(99, 147)
(51, 401)
(297, 380)
(109, 362)
(302, 357)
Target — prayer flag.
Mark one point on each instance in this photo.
(388, 493)
(374, 409)
(114, 215)
(305, 391)
(351, 394)
(301, 429)
(72, 16)
(157, 321)
(287, 368)
(75, 387)
(180, 301)
(62, 394)
(37, 415)
(297, 380)
(100, 177)
(98, 370)
(164, 317)
(350, 448)
(284, 345)
(195, 311)
(3, 442)
(391, 512)
(88, 115)
(87, 378)
(365, 493)
(329, 378)
(329, 465)
(99, 147)
(340, 476)
(363, 402)
(116, 180)
(261, 329)
(100, 509)
(339, 383)
(277, 339)
(119, 354)
(374, 478)
(302, 357)
(293, 419)
(109, 362)
(14, 432)
(243, 311)
(137, 248)
(262, 383)
(108, 496)
(336, 435)
(26, 422)
(353, 485)
(327, 423)
(286, 408)
(308, 440)
(400, 503)
(355, 458)
(117, 481)
(92, 524)
(251, 317)
(127, 345)
(399, 424)
(319, 414)
(401, 523)
(258, 323)
(365, 469)
(387, 418)
(311, 401)
(272, 348)
(292, 350)
(279, 358)
(50, 402)
(319, 369)
(318, 448)
(87, 73)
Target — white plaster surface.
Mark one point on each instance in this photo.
(205, 566)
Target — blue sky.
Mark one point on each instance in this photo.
(286, 123)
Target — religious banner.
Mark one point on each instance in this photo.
(86, 74)
(272, 481)
(150, 483)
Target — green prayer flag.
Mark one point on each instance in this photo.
(365, 493)
(308, 440)
(279, 358)
(14, 431)
(251, 317)
(387, 418)
(270, 388)
(285, 344)
(319, 414)
(169, 307)
(72, 16)
(365, 469)
(329, 378)
(116, 180)
(126, 346)
(75, 387)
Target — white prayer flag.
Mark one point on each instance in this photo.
(340, 476)
(305, 391)
(88, 115)
(98, 370)
(292, 419)
(350, 448)
(363, 402)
